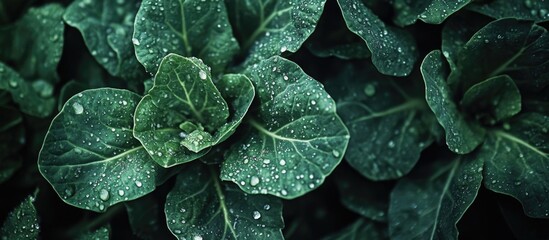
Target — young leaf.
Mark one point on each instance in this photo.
(461, 136)
(189, 28)
(496, 98)
(514, 47)
(184, 113)
(362, 229)
(521, 9)
(90, 156)
(102, 233)
(296, 140)
(393, 50)
(22, 222)
(429, 207)
(107, 27)
(388, 121)
(202, 207)
(516, 158)
(269, 28)
(431, 11)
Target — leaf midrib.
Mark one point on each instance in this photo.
(519, 141)
(443, 193)
(222, 204)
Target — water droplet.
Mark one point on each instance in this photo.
(370, 90)
(391, 144)
(121, 192)
(104, 194)
(254, 181)
(335, 153)
(267, 207)
(13, 82)
(69, 191)
(138, 184)
(197, 237)
(78, 109)
(282, 162)
(202, 75)
(283, 49)
(135, 41)
(256, 215)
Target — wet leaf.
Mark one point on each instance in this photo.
(21, 222)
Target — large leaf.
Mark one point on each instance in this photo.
(493, 99)
(267, 28)
(514, 47)
(12, 139)
(388, 121)
(461, 136)
(107, 28)
(536, 10)
(202, 207)
(189, 28)
(516, 162)
(393, 50)
(361, 229)
(184, 113)
(430, 205)
(90, 156)
(431, 11)
(22, 222)
(296, 140)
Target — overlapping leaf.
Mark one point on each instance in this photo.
(432, 11)
(536, 10)
(90, 156)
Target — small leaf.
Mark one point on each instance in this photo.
(495, 98)
(393, 50)
(296, 139)
(429, 207)
(270, 28)
(361, 229)
(22, 222)
(516, 158)
(103, 233)
(90, 156)
(461, 136)
(189, 28)
(431, 11)
(388, 121)
(513, 47)
(521, 9)
(107, 28)
(202, 207)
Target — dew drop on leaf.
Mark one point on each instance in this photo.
(256, 215)
(104, 194)
(78, 109)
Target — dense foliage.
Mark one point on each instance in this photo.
(273, 119)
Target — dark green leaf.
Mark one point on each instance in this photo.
(270, 28)
(516, 162)
(388, 121)
(90, 156)
(517, 48)
(431, 11)
(536, 10)
(107, 27)
(189, 28)
(102, 233)
(147, 220)
(68, 90)
(202, 207)
(496, 98)
(342, 51)
(429, 206)
(393, 50)
(361, 229)
(22, 222)
(461, 136)
(12, 139)
(296, 140)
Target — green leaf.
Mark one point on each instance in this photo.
(343, 51)
(202, 207)
(147, 220)
(68, 90)
(107, 27)
(493, 99)
(394, 115)
(521, 9)
(189, 28)
(430, 205)
(12, 139)
(360, 195)
(461, 136)
(431, 11)
(178, 117)
(516, 158)
(90, 156)
(361, 229)
(270, 28)
(35, 43)
(507, 46)
(523, 227)
(21, 222)
(296, 139)
(393, 50)
(103, 233)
